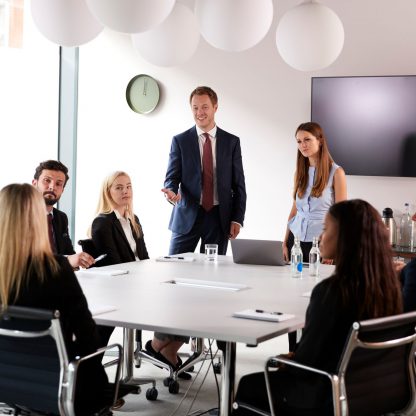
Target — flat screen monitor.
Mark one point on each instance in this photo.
(369, 122)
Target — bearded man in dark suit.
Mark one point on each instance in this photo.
(50, 178)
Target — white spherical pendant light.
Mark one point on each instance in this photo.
(65, 22)
(131, 16)
(310, 37)
(234, 25)
(171, 43)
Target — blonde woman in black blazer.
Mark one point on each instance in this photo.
(116, 231)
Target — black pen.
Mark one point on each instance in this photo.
(272, 313)
(170, 257)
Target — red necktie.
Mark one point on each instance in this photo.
(207, 175)
(50, 232)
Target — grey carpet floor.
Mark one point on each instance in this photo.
(199, 394)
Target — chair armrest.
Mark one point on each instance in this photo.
(273, 361)
(73, 369)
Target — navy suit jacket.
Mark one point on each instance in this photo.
(60, 229)
(109, 238)
(184, 174)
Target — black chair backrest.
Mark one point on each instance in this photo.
(378, 363)
(30, 363)
(89, 247)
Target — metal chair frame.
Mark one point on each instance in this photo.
(141, 354)
(338, 380)
(68, 369)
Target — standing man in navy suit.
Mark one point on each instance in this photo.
(208, 206)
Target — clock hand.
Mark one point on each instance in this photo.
(145, 87)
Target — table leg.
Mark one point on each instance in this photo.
(128, 361)
(228, 379)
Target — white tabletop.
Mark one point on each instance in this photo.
(144, 300)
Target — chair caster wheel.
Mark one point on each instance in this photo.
(217, 368)
(151, 394)
(174, 387)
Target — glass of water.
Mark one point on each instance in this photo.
(211, 252)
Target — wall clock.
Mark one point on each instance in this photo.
(143, 94)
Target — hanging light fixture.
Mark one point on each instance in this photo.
(171, 43)
(234, 25)
(131, 16)
(67, 23)
(310, 36)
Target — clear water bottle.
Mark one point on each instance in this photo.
(314, 258)
(296, 259)
(406, 229)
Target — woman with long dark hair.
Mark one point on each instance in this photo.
(364, 286)
(319, 182)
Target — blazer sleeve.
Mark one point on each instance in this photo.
(174, 170)
(239, 196)
(102, 235)
(140, 244)
(79, 327)
(63, 241)
(327, 325)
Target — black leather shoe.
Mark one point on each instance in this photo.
(149, 349)
(185, 376)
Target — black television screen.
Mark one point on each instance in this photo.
(370, 122)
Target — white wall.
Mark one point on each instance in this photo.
(29, 93)
(261, 99)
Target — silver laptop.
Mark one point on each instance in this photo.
(264, 252)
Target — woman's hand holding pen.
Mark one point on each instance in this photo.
(171, 196)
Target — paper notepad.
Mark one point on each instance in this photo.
(263, 316)
(179, 259)
(109, 272)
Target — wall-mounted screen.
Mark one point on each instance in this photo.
(370, 122)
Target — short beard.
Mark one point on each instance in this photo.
(50, 202)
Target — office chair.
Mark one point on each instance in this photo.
(376, 373)
(140, 354)
(88, 246)
(35, 374)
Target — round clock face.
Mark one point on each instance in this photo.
(142, 94)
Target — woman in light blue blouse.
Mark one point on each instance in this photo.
(319, 183)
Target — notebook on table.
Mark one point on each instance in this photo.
(261, 252)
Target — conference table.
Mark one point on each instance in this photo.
(194, 297)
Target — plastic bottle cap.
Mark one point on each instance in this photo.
(387, 213)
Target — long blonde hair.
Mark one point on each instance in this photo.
(323, 166)
(24, 242)
(106, 203)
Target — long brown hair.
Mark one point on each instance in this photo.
(365, 272)
(323, 166)
(24, 242)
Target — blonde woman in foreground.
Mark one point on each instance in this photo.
(31, 276)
